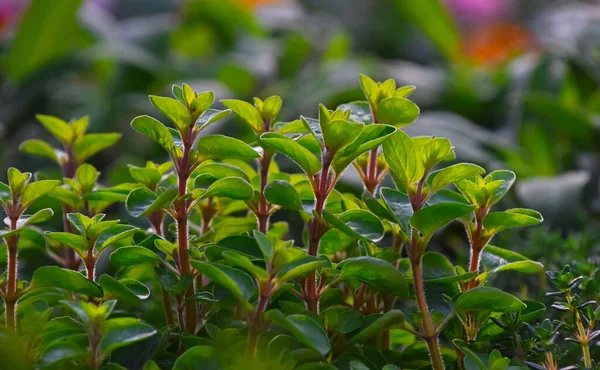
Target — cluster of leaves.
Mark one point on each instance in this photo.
(234, 292)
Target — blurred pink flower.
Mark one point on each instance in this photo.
(10, 10)
(479, 11)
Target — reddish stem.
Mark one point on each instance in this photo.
(254, 330)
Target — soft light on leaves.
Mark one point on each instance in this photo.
(402, 157)
(271, 107)
(78, 243)
(296, 152)
(299, 268)
(210, 116)
(377, 273)
(124, 288)
(370, 89)
(282, 193)
(432, 218)
(397, 112)
(339, 134)
(400, 206)
(495, 222)
(40, 216)
(57, 127)
(449, 175)
(220, 147)
(90, 144)
(508, 177)
(123, 331)
(35, 190)
(142, 201)
(87, 176)
(155, 131)
(39, 148)
(496, 259)
(56, 277)
(304, 329)
(247, 112)
(436, 268)
(488, 299)
(174, 110)
(229, 187)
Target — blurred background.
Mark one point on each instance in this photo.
(513, 84)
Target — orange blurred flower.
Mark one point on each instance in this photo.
(255, 3)
(496, 43)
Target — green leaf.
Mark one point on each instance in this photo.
(432, 218)
(397, 112)
(173, 110)
(400, 206)
(385, 321)
(201, 103)
(221, 170)
(451, 174)
(198, 358)
(229, 187)
(299, 268)
(35, 190)
(338, 134)
(236, 281)
(134, 255)
(370, 89)
(57, 127)
(496, 259)
(37, 218)
(30, 51)
(293, 150)
(265, 244)
(5, 193)
(304, 329)
(377, 273)
(66, 196)
(508, 177)
(360, 111)
(271, 107)
(155, 131)
(87, 176)
(240, 260)
(78, 243)
(436, 150)
(401, 154)
(495, 222)
(282, 193)
(247, 112)
(438, 269)
(124, 288)
(210, 116)
(122, 332)
(377, 207)
(56, 277)
(113, 235)
(488, 299)
(17, 181)
(39, 148)
(220, 147)
(88, 145)
(370, 138)
(470, 354)
(358, 223)
(313, 126)
(62, 351)
(142, 201)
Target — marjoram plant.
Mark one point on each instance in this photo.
(198, 277)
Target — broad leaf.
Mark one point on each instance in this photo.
(122, 332)
(247, 112)
(236, 281)
(90, 144)
(39, 148)
(56, 277)
(296, 152)
(357, 223)
(221, 147)
(339, 134)
(134, 255)
(229, 187)
(142, 201)
(488, 299)
(385, 321)
(401, 154)
(495, 222)
(174, 110)
(57, 127)
(78, 243)
(438, 269)
(432, 218)
(449, 175)
(377, 273)
(304, 329)
(282, 193)
(154, 130)
(198, 358)
(400, 206)
(397, 112)
(35, 190)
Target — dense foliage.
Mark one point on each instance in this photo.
(201, 278)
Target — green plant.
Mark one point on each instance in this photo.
(233, 291)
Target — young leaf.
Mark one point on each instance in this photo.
(296, 152)
(265, 244)
(123, 289)
(282, 193)
(451, 174)
(78, 243)
(56, 277)
(246, 112)
(399, 204)
(88, 145)
(370, 138)
(370, 89)
(438, 269)
(57, 127)
(87, 176)
(508, 177)
(299, 268)
(339, 134)
(210, 116)
(174, 110)
(401, 154)
(229, 187)
(488, 299)
(397, 112)
(40, 216)
(39, 148)
(155, 131)
(432, 218)
(17, 180)
(496, 259)
(271, 107)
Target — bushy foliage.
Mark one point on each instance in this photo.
(360, 291)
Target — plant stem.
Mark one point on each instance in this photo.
(371, 175)
(255, 326)
(430, 333)
(263, 207)
(156, 219)
(10, 298)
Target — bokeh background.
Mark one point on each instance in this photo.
(513, 84)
